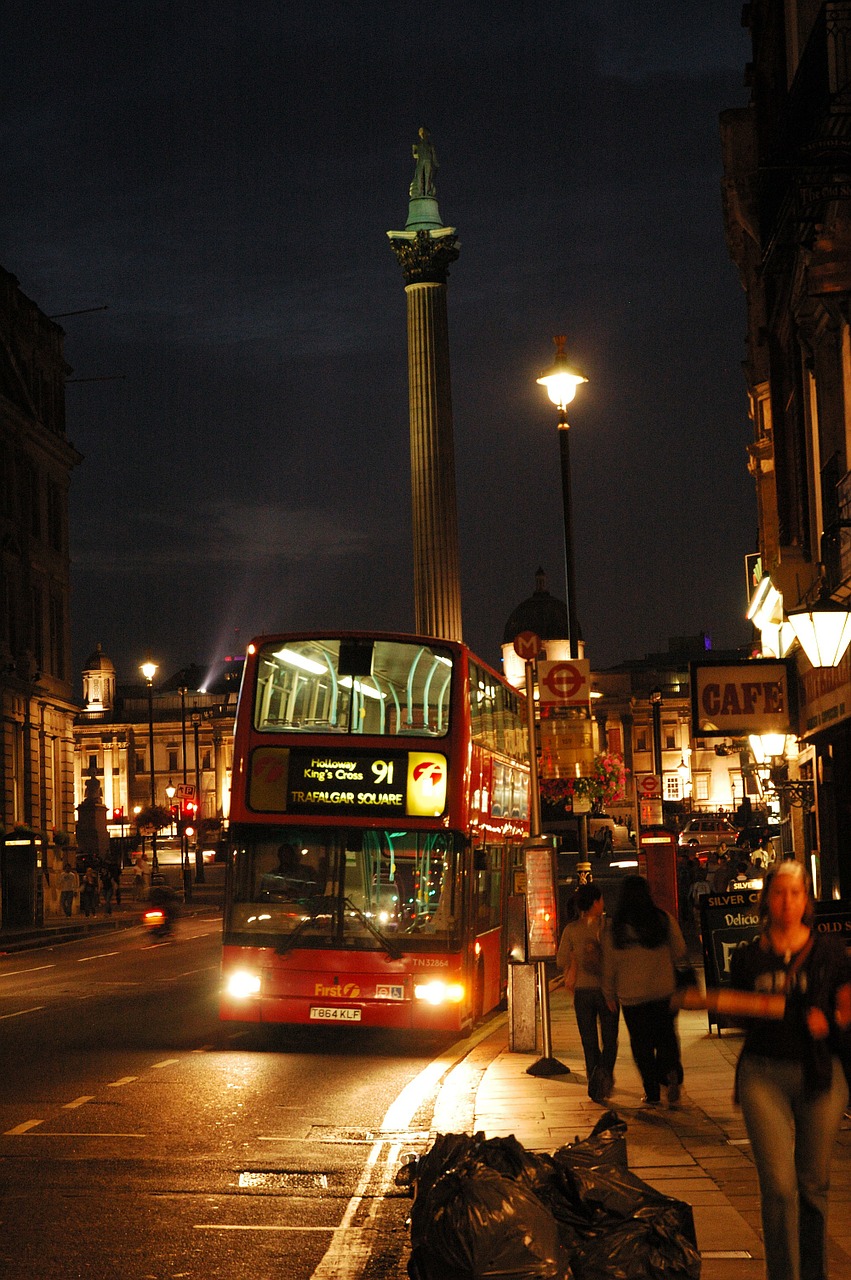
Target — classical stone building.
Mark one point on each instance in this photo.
(191, 717)
(787, 204)
(36, 460)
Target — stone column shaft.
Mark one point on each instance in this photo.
(437, 591)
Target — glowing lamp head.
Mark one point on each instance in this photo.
(149, 670)
(823, 631)
(561, 380)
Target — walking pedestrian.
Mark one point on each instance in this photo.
(107, 886)
(641, 957)
(790, 1079)
(89, 892)
(143, 876)
(69, 887)
(580, 955)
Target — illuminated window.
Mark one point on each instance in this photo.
(672, 787)
(701, 786)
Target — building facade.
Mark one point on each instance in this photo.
(787, 208)
(187, 720)
(36, 460)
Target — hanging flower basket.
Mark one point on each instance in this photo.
(604, 786)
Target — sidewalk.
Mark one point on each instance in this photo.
(58, 928)
(698, 1153)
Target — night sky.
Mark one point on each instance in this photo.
(223, 176)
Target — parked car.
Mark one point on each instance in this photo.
(707, 832)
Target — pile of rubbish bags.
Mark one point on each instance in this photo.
(490, 1208)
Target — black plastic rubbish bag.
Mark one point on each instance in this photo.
(485, 1207)
(484, 1224)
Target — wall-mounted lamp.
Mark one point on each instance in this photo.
(823, 630)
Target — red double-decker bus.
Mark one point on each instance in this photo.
(380, 794)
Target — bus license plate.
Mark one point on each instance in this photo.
(334, 1015)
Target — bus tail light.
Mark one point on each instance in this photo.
(436, 991)
(241, 984)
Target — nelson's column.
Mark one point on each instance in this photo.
(424, 250)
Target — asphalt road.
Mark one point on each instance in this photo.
(140, 1138)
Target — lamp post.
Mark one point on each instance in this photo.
(149, 670)
(199, 852)
(561, 381)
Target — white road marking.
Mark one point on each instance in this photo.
(23, 1128)
(116, 1084)
(81, 1133)
(21, 1012)
(78, 1102)
(229, 1226)
(167, 1062)
(14, 972)
(101, 955)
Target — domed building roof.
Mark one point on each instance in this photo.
(542, 613)
(98, 662)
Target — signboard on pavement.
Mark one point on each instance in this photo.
(565, 684)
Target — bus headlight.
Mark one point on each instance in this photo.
(436, 991)
(241, 984)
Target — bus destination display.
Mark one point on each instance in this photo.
(304, 781)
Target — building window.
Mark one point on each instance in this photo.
(641, 740)
(701, 786)
(38, 626)
(672, 787)
(172, 759)
(206, 759)
(669, 736)
(140, 763)
(57, 637)
(54, 515)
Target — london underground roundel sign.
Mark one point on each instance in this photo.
(527, 646)
(567, 683)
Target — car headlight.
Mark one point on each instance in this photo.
(241, 984)
(436, 991)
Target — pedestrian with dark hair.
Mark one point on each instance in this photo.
(790, 1080)
(580, 956)
(642, 954)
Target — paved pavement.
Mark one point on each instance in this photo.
(698, 1153)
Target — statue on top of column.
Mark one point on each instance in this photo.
(426, 158)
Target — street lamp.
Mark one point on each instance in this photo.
(561, 381)
(823, 630)
(149, 670)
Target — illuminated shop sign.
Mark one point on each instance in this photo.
(739, 698)
(303, 781)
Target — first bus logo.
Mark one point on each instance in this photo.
(426, 791)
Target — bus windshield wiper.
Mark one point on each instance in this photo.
(392, 950)
(286, 944)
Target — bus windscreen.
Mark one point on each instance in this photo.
(359, 889)
(362, 686)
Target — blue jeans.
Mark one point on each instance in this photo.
(792, 1137)
(596, 1024)
(652, 1028)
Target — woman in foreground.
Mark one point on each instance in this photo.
(790, 1081)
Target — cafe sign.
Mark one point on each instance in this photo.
(733, 699)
